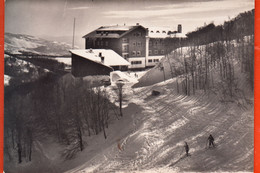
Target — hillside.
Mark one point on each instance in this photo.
(20, 43)
(152, 132)
(23, 69)
(159, 127)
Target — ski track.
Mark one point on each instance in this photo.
(168, 120)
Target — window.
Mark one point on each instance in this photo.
(134, 53)
(125, 48)
(126, 56)
(155, 43)
(97, 43)
(101, 43)
(138, 34)
(164, 32)
(139, 44)
(151, 31)
(150, 43)
(162, 43)
(155, 52)
(157, 31)
(150, 52)
(138, 53)
(156, 60)
(106, 43)
(124, 40)
(136, 62)
(150, 60)
(162, 51)
(134, 43)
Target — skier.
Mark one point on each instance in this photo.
(211, 141)
(119, 145)
(186, 146)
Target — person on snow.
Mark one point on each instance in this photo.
(211, 141)
(186, 146)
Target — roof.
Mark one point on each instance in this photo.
(115, 28)
(111, 58)
(108, 29)
(163, 32)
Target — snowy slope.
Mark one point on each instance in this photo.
(17, 43)
(16, 69)
(152, 132)
(154, 129)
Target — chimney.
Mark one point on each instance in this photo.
(137, 23)
(179, 28)
(102, 59)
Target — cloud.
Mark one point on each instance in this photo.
(177, 9)
(78, 8)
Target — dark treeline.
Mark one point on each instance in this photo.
(65, 108)
(207, 58)
(240, 26)
(214, 57)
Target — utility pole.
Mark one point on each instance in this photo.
(120, 95)
(73, 33)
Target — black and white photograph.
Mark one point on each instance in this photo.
(129, 86)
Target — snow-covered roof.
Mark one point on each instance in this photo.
(111, 58)
(115, 31)
(115, 28)
(163, 32)
(158, 32)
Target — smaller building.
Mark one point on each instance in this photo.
(96, 62)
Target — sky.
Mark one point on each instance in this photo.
(55, 17)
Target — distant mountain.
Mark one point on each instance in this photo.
(20, 43)
(20, 70)
(79, 42)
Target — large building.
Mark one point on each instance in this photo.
(142, 47)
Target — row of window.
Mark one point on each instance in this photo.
(157, 32)
(156, 52)
(156, 43)
(154, 60)
(137, 44)
(139, 53)
(136, 62)
(136, 53)
(140, 62)
(101, 43)
(125, 40)
(137, 34)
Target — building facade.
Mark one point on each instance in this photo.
(142, 47)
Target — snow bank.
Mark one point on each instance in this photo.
(7, 79)
(118, 75)
(66, 61)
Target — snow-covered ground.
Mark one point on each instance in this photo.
(152, 132)
(150, 136)
(7, 79)
(154, 128)
(17, 43)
